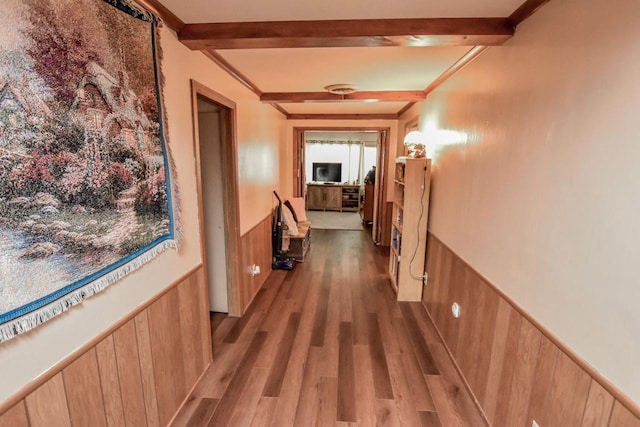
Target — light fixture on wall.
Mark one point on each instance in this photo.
(416, 142)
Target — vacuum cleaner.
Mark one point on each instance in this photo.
(280, 260)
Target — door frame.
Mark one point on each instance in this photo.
(380, 193)
(380, 189)
(230, 193)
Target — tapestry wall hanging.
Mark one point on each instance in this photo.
(85, 189)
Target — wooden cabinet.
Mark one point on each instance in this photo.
(331, 197)
(315, 197)
(409, 227)
(324, 197)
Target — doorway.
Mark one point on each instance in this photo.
(210, 116)
(214, 123)
(365, 146)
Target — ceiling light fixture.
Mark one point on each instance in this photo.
(341, 89)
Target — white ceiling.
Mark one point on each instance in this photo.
(192, 11)
(368, 68)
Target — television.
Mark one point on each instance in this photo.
(327, 172)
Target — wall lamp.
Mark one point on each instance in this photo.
(416, 142)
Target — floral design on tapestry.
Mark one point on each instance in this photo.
(83, 166)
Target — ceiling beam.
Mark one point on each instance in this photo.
(526, 9)
(405, 109)
(466, 59)
(348, 33)
(472, 54)
(279, 108)
(233, 71)
(381, 96)
(391, 116)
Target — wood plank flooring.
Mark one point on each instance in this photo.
(326, 344)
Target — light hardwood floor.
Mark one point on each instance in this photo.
(326, 344)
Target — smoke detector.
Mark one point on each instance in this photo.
(341, 89)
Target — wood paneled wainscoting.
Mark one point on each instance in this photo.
(256, 249)
(517, 370)
(136, 373)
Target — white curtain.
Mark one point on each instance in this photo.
(369, 159)
(356, 151)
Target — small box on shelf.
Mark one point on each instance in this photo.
(399, 218)
(400, 171)
(396, 240)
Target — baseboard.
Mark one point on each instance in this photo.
(189, 394)
(457, 367)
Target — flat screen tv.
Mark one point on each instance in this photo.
(327, 172)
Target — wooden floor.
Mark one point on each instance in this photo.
(326, 344)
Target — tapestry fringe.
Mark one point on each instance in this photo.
(31, 320)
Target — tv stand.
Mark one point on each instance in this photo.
(333, 197)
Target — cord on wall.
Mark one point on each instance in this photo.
(422, 277)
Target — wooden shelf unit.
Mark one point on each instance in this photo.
(333, 197)
(409, 227)
(367, 208)
(350, 198)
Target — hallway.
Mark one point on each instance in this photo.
(326, 344)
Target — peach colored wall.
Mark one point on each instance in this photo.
(537, 177)
(260, 132)
(262, 161)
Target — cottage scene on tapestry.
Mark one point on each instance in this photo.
(85, 194)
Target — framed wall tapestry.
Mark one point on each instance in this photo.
(86, 194)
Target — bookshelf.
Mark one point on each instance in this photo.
(409, 227)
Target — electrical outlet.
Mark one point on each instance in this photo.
(455, 310)
(534, 423)
(254, 270)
